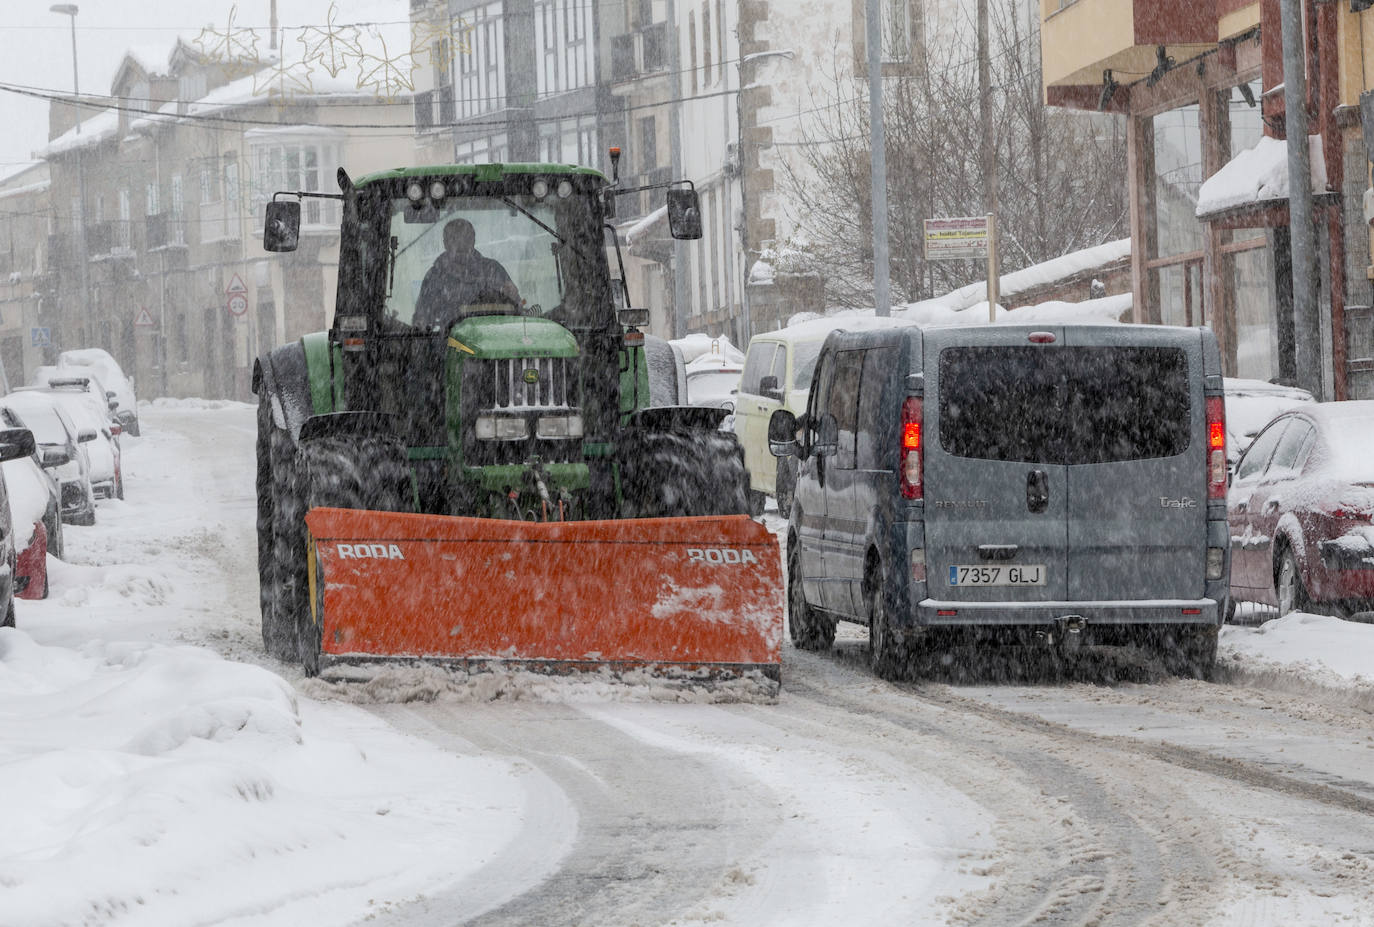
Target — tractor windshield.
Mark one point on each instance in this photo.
(515, 254)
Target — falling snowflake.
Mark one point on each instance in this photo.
(332, 46)
(235, 48)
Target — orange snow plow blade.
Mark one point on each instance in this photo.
(695, 596)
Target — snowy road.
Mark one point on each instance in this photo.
(1013, 801)
(1169, 803)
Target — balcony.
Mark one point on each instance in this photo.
(639, 53)
(163, 231)
(220, 222)
(1081, 39)
(108, 239)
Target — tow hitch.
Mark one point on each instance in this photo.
(1067, 634)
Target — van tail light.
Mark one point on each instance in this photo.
(911, 466)
(1216, 448)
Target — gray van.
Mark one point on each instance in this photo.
(1061, 483)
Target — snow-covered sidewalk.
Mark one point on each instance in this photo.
(147, 781)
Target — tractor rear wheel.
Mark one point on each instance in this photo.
(345, 472)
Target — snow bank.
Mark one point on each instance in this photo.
(1320, 649)
(147, 781)
(122, 758)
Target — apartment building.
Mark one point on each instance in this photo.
(154, 248)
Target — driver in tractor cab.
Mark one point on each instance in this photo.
(460, 277)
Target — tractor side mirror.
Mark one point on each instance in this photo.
(684, 213)
(281, 229)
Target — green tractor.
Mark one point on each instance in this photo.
(484, 419)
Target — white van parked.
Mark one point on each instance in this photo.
(777, 375)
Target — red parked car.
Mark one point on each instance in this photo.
(1301, 511)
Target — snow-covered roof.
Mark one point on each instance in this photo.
(1064, 267)
(1257, 175)
(14, 172)
(151, 58)
(93, 130)
(700, 344)
(295, 72)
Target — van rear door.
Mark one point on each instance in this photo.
(996, 490)
(1137, 456)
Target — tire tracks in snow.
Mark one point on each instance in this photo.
(1217, 833)
(1075, 847)
(650, 830)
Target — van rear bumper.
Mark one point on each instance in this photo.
(953, 614)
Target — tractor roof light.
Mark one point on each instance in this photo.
(437, 190)
(415, 191)
(540, 188)
(564, 189)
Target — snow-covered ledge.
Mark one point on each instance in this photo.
(1257, 176)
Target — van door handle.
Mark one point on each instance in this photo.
(1037, 491)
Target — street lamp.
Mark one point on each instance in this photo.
(743, 173)
(70, 9)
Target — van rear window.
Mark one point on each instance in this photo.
(1063, 405)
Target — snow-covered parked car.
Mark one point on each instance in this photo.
(1301, 511)
(111, 376)
(106, 477)
(1252, 404)
(14, 443)
(62, 447)
(37, 472)
(712, 380)
(34, 505)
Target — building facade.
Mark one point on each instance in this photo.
(1201, 87)
(26, 220)
(154, 251)
(564, 81)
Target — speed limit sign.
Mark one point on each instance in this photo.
(238, 304)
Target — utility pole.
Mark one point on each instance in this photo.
(83, 270)
(989, 154)
(682, 293)
(1301, 228)
(882, 294)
